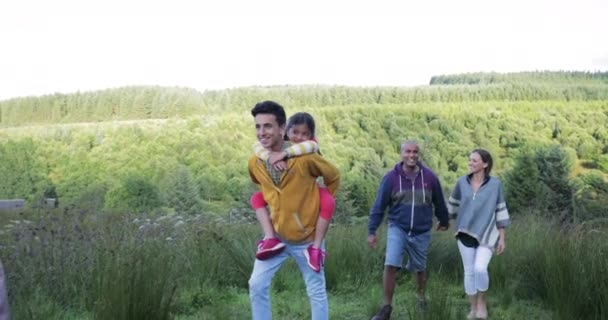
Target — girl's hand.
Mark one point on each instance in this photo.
(281, 165)
(276, 157)
(500, 248)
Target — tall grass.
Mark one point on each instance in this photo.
(137, 281)
(562, 266)
(72, 265)
(575, 274)
(104, 265)
(350, 263)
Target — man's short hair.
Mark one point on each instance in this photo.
(410, 141)
(270, 107)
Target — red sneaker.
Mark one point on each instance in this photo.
(314, 257)
(268, 248)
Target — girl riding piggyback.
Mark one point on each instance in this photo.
(300, 131)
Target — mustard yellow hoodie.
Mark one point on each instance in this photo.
(294, 203)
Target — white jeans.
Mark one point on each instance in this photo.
(475, 262)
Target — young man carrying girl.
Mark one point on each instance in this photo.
(301, 133)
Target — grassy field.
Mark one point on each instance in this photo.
(74, 265)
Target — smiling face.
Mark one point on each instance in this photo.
(476, 164)
(409, 155)
(299, 133)
(269, 132)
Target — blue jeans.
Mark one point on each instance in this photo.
(264, 271)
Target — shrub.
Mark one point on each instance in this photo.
(134, 193)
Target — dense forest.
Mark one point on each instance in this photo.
(136, 103)
(156, 148)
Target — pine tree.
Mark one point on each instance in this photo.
(522, 184)
(183, 195)
(539, 180)
(554, 167)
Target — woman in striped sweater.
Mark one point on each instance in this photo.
(478, 204)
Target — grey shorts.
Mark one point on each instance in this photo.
(416, 247)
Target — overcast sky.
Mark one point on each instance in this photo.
(49, 46)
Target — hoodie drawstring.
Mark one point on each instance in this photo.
(423, 195)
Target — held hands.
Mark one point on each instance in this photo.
(441, 227)
(371, 241)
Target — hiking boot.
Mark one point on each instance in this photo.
(268, 248)
(314, 258)
(384, 313)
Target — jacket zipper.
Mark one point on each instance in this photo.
(481, 186)
(413, 203)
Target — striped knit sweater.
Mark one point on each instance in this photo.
(479, 214)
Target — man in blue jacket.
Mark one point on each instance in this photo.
(410, 191)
